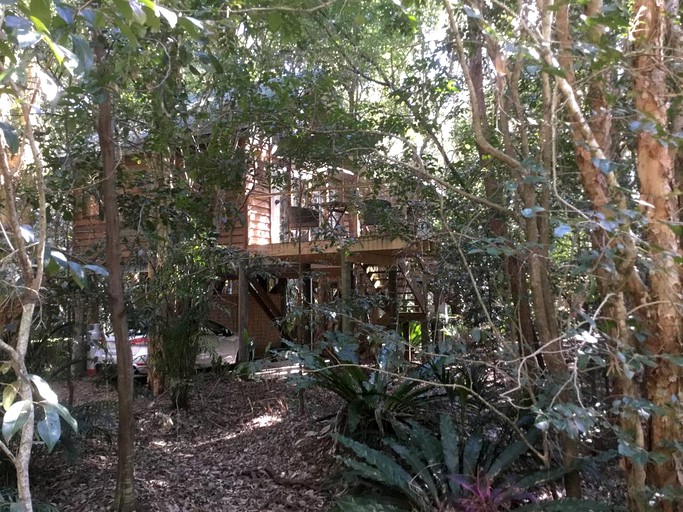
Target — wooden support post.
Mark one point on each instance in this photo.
(405, 334)
(306, 324)
(346, 287)
(392, 288)
(426, 333)
(243, 312)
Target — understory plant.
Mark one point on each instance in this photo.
(373, 396)
(447, 470)
(179, 301)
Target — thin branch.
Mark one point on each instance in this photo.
(474, 102)
(10, 197)
(298, 10)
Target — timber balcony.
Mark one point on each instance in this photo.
(319, 225)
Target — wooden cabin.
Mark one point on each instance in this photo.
(327, 236)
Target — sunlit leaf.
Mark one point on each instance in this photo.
(27, 233)
(15, 418)
(44, 389)
(41, 10)
(139, 15)
(63, 55)
(170, 17)
(98, 270)
(562, 230)
(9, 394)
(531, 212)
(77, 273)
(471, 12)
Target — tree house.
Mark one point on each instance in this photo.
(329, 236)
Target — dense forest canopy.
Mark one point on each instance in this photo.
(535, 145)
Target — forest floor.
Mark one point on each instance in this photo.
(241, 446)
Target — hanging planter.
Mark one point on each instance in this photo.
(303, 217)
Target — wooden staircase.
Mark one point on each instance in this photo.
(411, 296)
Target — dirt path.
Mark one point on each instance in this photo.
(242, 446)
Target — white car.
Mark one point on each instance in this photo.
(217, 344)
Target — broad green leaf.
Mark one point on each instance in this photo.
(562, 230)
(59, 258)
(191, 25)
(98, 270)
(127, 32)
(124, 9)
(63, 55)
(170, 17)
(40, 9)
(66, 12)
(471, 12)
(51, 266)
(39, 25)
(139, 15)
(509, 456)
(77, 273)
(27, 233)
(274, 21)
(11, 137)
(470, 455)
(83, 53)
(532, 211)
(44, 389)
(50, 428)
(65, 414)
(15, 418)
(9, 394)
(152, 21)
(451, 450)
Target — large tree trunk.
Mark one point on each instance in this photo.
(656, 176)
(125, 495)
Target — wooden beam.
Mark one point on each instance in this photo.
(346, 287)
(243, 313)
(321, 250)
(414, 286)
(392, 288)
(263, 298)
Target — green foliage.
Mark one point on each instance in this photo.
(98, 419)
(48, 428)
(371, 399)
(9, 502)
(477, 471)
(177, 303)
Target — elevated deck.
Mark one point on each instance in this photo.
(366, 249)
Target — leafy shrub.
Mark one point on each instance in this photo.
(445, 471)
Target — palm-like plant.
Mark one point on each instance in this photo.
(446, 471)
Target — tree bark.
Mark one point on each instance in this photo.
(124, 500)
(657, 179)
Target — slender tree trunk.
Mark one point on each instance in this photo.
(125, 493)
